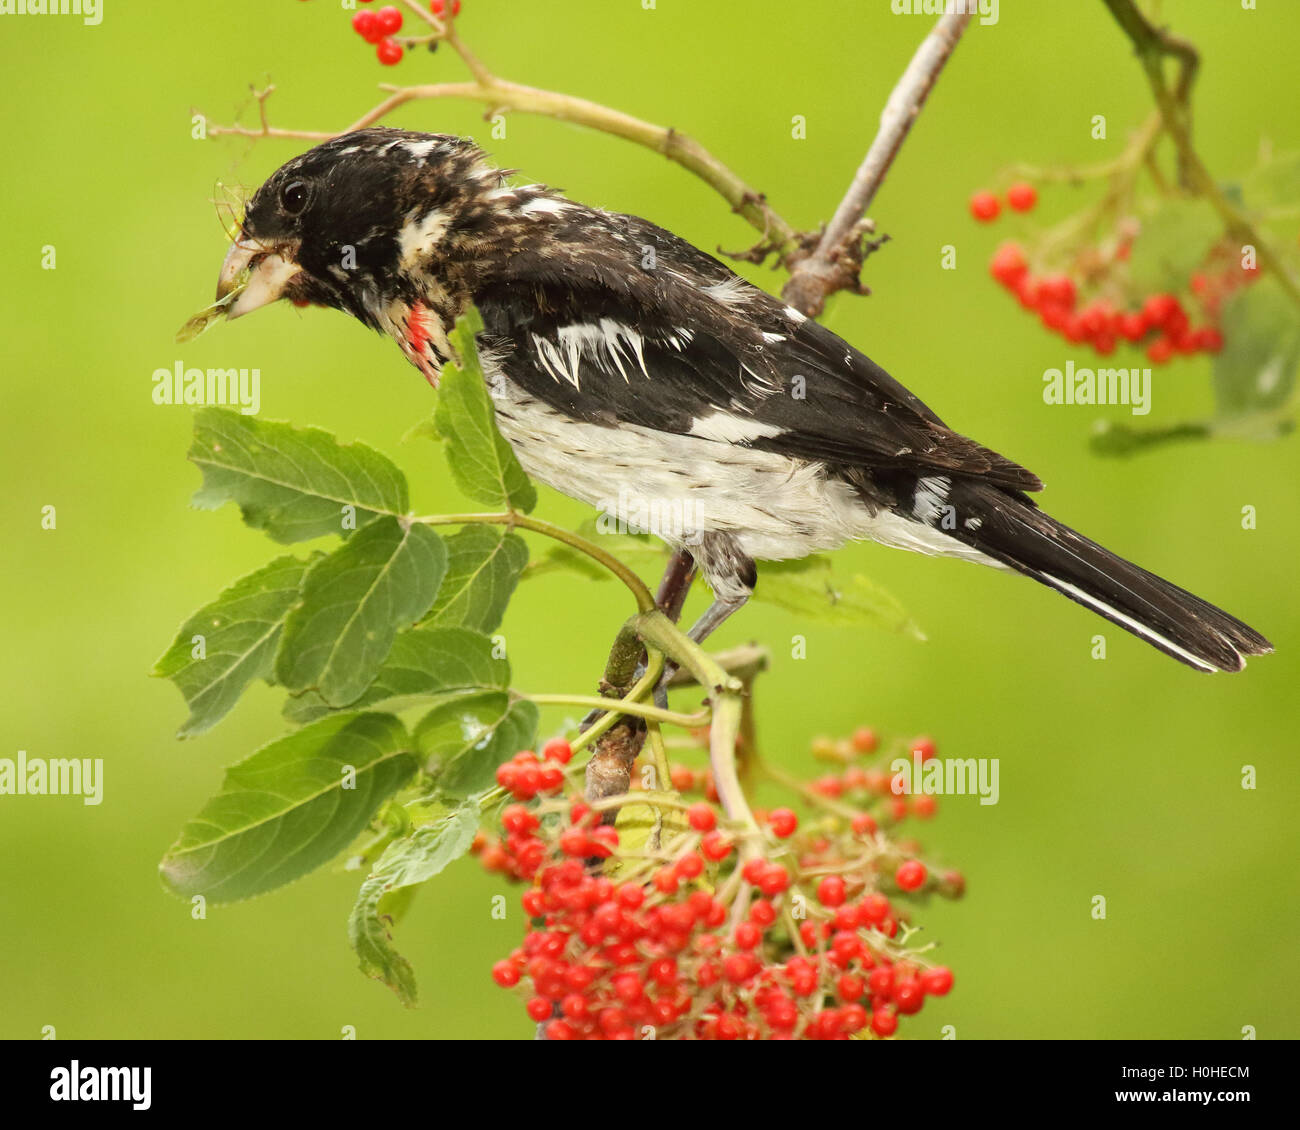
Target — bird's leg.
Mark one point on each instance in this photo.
(716, 613)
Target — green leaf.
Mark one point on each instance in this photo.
(294, 483)
(807, 588)
(433, 661)
(1274, 184)
(1115, 438)
(1172, 244)
(464, 739)
(354, 602)
(415, 858)
(1256, 369)
(481, 460)
(290, 807)
(483, 567)
(240, 630)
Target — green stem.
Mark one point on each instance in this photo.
(724, 692)
(1153, 45)
(647, 682)
(623, 706)
(644, 598)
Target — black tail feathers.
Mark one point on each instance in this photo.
(1010, 529)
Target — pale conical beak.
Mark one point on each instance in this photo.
(269, 273)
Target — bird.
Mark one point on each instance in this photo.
(626, 364)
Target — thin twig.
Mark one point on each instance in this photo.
(1153, 45)
(835, 264)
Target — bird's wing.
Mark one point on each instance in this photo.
(693, 349)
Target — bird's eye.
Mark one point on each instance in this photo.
(293, 197)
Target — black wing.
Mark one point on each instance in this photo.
(684, 345)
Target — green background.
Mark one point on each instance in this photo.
(1119, 778)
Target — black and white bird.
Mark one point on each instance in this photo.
(626, 363)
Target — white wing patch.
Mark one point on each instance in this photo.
(729, 292)
(607, 344)
(725, 427)
(930, 499)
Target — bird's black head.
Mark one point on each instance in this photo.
(362, 222)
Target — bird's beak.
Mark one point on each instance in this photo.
(269, 271)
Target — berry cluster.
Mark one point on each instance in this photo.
(1161, 323)
(986, 207)
(797, 930)
(1161, 320)
(378, 26)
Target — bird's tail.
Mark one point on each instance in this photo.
(1010, 529)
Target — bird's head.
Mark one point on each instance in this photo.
(376, 223)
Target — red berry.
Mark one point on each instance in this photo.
(1160, 350)
(1008, 264)
(937, 981)
(884, 1022)
(1022, 197)
(558, 749)
(830, 891)
(715, 846)
(538, 1008)
(389, 52)
(702, 817)
(1057, 290)
(505, 974)
(909, 996)
(390, 19)
(365, 25)
(437, 7)
(783, 822)
(984, 206)
(910, 875)
(864, 740)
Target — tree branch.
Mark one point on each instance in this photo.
(837, 260)
(1152, 45)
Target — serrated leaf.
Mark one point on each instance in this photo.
(483, 567)
(354, 602)
(433, 661)
(464, 739)
(482, 462)
(1256, 369)
(1173, 242)
(294, 483)
(808, 588)
(240, 631)
(285, 810)
(414, 859)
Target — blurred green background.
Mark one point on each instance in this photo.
(1119, 778)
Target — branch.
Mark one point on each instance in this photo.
(499, 94)
(1153, 45)
(837, 260)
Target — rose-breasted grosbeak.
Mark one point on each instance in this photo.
(627, 364)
